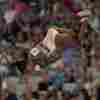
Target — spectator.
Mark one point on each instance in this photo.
(84, 95)
(21, 7)
(10, 14)
(2, 25)
(11, 96)
(35, 95)
(42, 86)
(70, 5)
(11, 84)
(24, 33)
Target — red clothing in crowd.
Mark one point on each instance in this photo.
(69, 4)
(22, 7)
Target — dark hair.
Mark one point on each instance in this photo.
(85, 93)
(42, 86)
(35, 95)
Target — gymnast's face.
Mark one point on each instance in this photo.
(37, 34)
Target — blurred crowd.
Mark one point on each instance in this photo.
(35, 34)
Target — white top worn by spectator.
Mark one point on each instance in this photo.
(9, 16)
